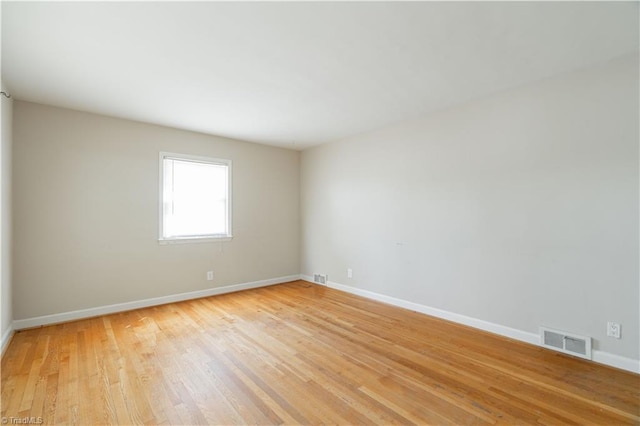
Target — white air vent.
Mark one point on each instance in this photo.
(568, 343)
(320, 278)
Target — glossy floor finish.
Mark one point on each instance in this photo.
(299, 353)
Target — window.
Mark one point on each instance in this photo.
(195, 198)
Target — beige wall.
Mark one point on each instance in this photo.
(86, 213)
(520, 209)
(6, 314)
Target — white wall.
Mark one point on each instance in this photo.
(86, 213)
(6, 315)
(520, 209)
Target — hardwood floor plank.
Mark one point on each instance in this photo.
(299, 353)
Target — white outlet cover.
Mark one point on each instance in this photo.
(613, 329)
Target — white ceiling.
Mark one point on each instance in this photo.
(296, 74)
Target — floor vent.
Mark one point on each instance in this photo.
(567, 343)
(320, 279)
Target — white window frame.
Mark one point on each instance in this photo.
(199, 238)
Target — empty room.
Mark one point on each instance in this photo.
(229, 213)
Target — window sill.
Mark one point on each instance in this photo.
(192, 240)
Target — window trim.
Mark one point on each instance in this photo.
(193, 239)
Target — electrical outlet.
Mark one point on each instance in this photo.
(209, 275)
(613, 329)
(349, 273)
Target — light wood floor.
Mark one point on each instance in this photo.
(299, 353)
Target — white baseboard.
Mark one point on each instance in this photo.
(613, 360)
(127, 306)
(6, 338)
(502, 330)
(523, 336)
